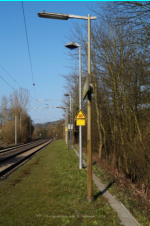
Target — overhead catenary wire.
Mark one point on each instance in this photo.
(40, 114)
(14, 89)
(9, 75)
(19, 85)
(13, 80)
(49, 100)
(29, 60)
(7, 83)
(28, 47)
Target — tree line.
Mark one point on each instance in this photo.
(16, 105)
(50, 131)
(120, 70)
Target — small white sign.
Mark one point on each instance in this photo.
(69, 126)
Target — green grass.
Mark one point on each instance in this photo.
(51, 190)
(136, 205)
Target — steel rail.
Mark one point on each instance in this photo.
(7, 171)
(17, 146)
(14, 152)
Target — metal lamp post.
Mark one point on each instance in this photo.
(67, 94)
(64, 130)
(66, 123)
(89, 159)
(74, 45)
(15, 129)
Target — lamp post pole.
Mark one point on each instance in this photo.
(80, 127)
(89, 161)
(74, 45)
(30, 128)
(67, 130)
(89, 157)
(15, 129)
(66, 123)
(66, 126)
(64, 131)
(67, 94)
(70, 121)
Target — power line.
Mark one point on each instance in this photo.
(50, 100)
(38, 113)
(29, 60)
(28, 47)
(9, 74)
(18, 84)
(13, 80)
(7, 83)
(14, 89)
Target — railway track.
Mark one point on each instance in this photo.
(12, 158)
(17, 146)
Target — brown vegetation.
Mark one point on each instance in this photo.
(121, 87)
(16, 105)
(50, 131)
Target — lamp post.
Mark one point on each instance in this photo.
(89, 159)
(67, 127)
(74, 45)
(67, 94)
(64, 133)
(15, 129)
(66, 123)
(62, 130)
(30, 127)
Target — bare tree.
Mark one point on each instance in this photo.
(16, 104)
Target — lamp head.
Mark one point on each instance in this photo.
(72, 45)
(66, 94)
(61, 107)
(59, 16)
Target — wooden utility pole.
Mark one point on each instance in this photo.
(89, 151)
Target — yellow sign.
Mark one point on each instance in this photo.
(66, 128)
(80, 115)
(80, 122)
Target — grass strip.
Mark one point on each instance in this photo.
(139, 207)
(51, 190)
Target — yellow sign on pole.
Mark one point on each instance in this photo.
(80, 122)
(80, 115)
(66, 128)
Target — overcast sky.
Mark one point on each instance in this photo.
(49, 60)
